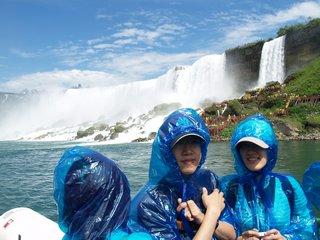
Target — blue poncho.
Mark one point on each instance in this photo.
(311, 183)
(155, 204)
(93, 197)
(266, 200)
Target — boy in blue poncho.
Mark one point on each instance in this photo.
(93, 197)
(178, 152)
(265, 205)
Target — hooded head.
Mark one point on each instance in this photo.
(258, 130)
(92, 194)
(179, 124)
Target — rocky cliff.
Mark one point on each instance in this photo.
(301, 47)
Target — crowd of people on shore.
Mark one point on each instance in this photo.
(182, 199)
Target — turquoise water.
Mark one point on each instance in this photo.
(26, 170)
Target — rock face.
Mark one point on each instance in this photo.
(242, 65)
(285, 129)
(301, 47)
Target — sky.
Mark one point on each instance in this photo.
(63, 43)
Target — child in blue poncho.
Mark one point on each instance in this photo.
(265, 205)
(177, 181)
(93, 197)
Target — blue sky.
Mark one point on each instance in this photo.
(60, 43)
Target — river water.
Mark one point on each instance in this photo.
(26, 168)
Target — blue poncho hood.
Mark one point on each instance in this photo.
(163, 163)
(265, 200)
(92, 194)
(180, 122)
(259, 127)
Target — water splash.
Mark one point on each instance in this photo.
(272, 62)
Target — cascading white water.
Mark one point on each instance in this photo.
(187, 85)
(205, 79)
(272, 62)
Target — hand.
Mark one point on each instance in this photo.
(253, 234)
(213, 202)
(191, 211)
(273, 234)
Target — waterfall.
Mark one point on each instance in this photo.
(67, 111)
(204, 80)
(272, 62)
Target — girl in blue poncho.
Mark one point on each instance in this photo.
(178, 152)
(264, 204)
(93, 197)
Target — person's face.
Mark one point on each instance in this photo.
(253, 156)
(188, 154)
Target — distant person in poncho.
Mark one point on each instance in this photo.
(93, 197)
(311, 185)
(177, 183)
(265, 205)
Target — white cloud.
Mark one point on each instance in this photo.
(128, 41)
(138, 65)
(103, 16)
(95, 41)
(58, 80)
(129, 32)
(104, 46)
(23, 54)
(74, 61)
(134, 36)
(254, 26)
(129, 53)
(122, 68)
(301, 10)
(148, 37)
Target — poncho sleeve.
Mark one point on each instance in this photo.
(303, 222)
(158, 216)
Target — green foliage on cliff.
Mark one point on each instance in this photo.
(212, 110)
(84, 133)
(286, 29)
(248, 45)
(303, 112)
(305, 82)
(227, 132)
(235, 107)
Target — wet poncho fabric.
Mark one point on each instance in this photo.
(154, 206)
(311, 183)
(266, 200)
(93, 197)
